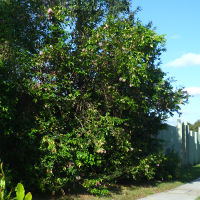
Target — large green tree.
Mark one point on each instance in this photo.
(81, 91)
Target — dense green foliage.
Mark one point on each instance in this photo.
(157, 166)
(195, 126)
(82, 96)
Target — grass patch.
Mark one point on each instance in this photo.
(134, 191)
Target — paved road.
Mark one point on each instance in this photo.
(189, 191)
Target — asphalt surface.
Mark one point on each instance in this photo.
(189, 191)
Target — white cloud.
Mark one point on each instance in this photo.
(193, 90)
(189, 59)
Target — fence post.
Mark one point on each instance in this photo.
(187, 142)
(180, 137)
(191, 149)
(184, 161)
(198, 145)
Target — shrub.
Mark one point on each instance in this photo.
(81, 105)
(170, 167)
(95, 186)
(148, 167)
(157, 166)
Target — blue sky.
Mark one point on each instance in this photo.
(179, 20)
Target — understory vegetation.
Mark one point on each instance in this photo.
(82, 96)
(135, 190)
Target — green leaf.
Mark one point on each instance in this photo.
(28, 196)
(1, 62)
(2, 183)
(20, 192)
(2, 194)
